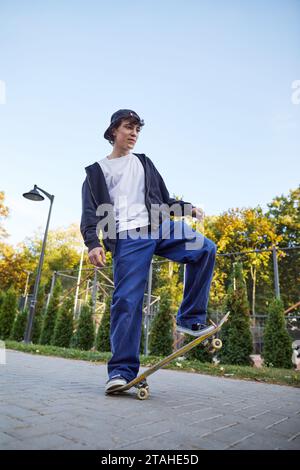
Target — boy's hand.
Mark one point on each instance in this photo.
(97, 257)
(198, 213)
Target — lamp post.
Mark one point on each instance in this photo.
(34, 195)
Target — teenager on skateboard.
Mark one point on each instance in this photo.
(125, 197)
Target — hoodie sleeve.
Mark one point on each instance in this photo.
(165, 193)
(89, 219)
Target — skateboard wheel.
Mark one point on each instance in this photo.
(216, 343)
(143, 393)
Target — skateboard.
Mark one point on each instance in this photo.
(208, 339)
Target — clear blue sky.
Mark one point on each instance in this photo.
(212, 80)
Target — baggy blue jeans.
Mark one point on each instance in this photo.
(131, 262)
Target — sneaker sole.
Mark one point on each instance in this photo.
(115, 387)
(181, 329)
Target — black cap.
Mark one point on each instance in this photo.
(121, 114)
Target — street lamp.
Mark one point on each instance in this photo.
(34, 195)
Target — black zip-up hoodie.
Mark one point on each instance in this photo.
(95, 193)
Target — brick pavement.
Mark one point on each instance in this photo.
(55, 403)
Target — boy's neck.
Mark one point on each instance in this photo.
(117, 153)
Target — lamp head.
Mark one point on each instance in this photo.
(34, 195)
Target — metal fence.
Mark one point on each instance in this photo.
(277, 275)
(271, 272)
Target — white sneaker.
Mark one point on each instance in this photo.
(112, 385)
(197, 329)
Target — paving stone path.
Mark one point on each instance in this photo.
(55, 403)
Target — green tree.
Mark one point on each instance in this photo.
(8, 313)
(2, 297)
(277, 350)
(168, 286)
(63, 330)
(199, 353)
(236, 333)
(143, 336)
(4, 247)
(242, 230)
(19, 326)
(103, 333)
(50, 315)
(4, 212)
(85, 333)
(63, 252)
(161, 333)
(38, 315)
(14, 264)
(284, 211)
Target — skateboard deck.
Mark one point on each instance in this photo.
(142, 390)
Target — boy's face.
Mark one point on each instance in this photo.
(126, 134)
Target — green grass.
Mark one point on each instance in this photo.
(263, 374)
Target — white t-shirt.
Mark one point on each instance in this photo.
(125, 179)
